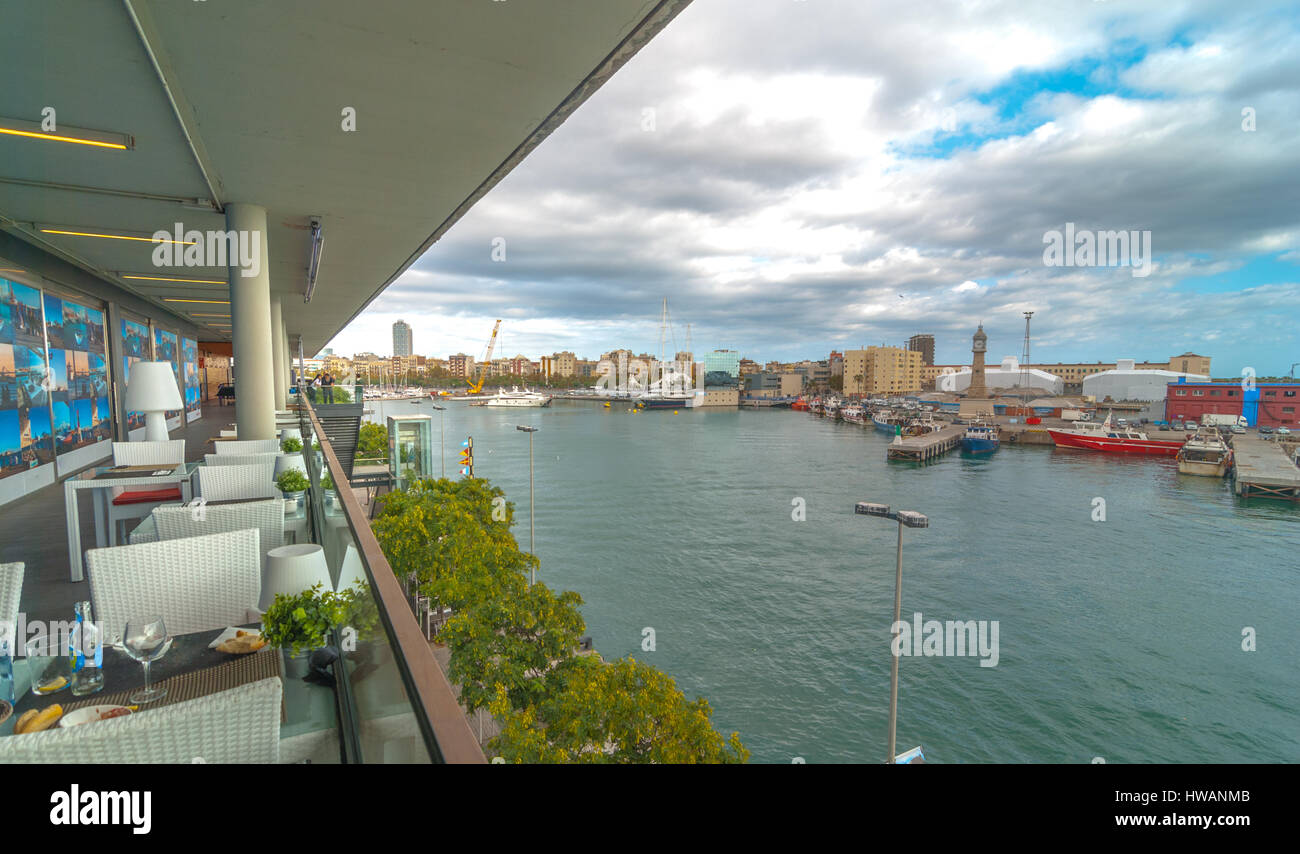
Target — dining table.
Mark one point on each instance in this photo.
(192, 667)
(100, 481)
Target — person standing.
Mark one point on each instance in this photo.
(328, 385)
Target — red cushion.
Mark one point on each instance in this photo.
(148, 495)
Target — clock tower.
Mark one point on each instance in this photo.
(978, 345)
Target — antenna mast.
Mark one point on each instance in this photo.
(1024, 362)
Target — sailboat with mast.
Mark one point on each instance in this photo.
(672, 388)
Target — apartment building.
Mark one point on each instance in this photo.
(882, 371)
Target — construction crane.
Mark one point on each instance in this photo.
(487, 360)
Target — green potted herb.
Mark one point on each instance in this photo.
(292, 484)
(300, 623)
(291, 445)
(327, 488)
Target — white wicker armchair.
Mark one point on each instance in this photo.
(138, 502)
(248, 446)
(196, 584)
(238, 483)
(241, 725)
(11, 593)
(174, 523)
(238, 459)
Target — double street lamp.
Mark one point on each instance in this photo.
(531, 548)
(905, 519)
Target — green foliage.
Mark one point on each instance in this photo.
(372, 442)
(513, 646)
(625, 711)
(303, 621)
(511, 642)
(357, 609)
(292, 480)
(327, 482)
(291, 445)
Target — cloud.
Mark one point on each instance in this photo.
(782, 172)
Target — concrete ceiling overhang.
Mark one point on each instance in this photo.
(242, 101)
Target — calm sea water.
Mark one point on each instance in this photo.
(1119, 639)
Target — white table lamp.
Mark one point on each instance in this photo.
(352, 573)
(152, 390)
(291, 570)
(292, 460)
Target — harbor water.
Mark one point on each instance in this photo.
(1123, 592)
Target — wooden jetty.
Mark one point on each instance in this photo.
(1262, 469)
(919, 449)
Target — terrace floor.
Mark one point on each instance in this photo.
(33, 530)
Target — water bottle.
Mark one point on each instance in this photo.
(6, 673)
(87, 652)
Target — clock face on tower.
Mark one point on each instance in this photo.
(979, 345)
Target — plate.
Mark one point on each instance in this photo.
(230, 633)
(86, 714)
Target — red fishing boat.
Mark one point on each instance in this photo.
(1109, 439)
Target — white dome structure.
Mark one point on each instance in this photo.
(1007, 375)
(1128, 383)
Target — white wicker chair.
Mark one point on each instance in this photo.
(174, 523)
(238, 459)
(138, 502)
(11, 592)
(238, 483)
(196, 584)
(248, 446)
(237, 726)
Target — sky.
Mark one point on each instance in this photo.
(797, 176)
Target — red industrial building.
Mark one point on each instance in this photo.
(1263, 404)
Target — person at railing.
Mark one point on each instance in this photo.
(327, 386)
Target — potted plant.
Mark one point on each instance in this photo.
(327, 487)
(301, 623)
(292, 485)
(291, 445)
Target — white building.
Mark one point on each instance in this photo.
(1007, 375)
(1127, 383)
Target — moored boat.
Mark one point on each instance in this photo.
(1109, 439)
(515, 397)
(1205, 454)
(980, 438)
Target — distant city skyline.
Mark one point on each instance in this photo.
(797, 178)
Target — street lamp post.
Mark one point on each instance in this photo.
(531, 548)
(442, 439)
(910, 519)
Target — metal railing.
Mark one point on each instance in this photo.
(441, 722)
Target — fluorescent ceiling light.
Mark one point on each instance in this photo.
(209, 315)
(173, 279)
(10, 270)
(79, 136)
(83, 232)
(205, 301)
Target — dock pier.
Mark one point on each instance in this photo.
(1262, 469)
(919, 449)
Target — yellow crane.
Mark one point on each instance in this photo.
(486, 364)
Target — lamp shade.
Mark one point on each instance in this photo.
(285, 462)
(152, 388)
(352, 573)
(291, 570)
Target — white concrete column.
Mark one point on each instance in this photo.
(250, 314)
(277, 354)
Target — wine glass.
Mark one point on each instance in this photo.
(146, 640)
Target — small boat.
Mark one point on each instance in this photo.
(800, 405)
(816, 407)
(888, 421)
(980, 438)
(920, 426)
(832, 408)
(1205, 454)
(854, 413)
